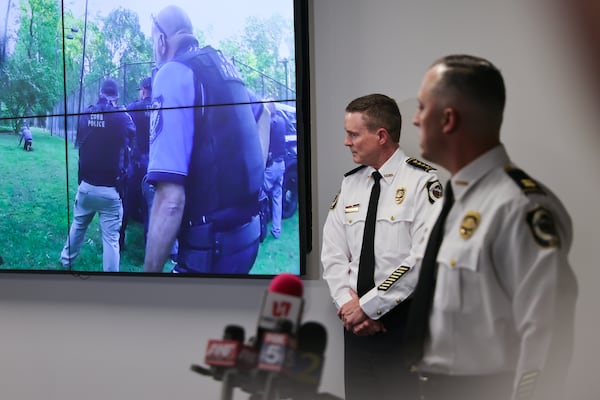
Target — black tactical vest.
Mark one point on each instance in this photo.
(226, 166)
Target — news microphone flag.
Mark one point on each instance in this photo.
(283, 300)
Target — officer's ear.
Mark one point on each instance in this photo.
(162, 44)
(451, 120)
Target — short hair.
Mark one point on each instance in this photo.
(475, 78)
(379, 111)
(110, 89)
(146, 83)
(172, 20)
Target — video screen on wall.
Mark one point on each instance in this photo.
(156, 137)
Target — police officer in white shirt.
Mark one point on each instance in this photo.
(375, 322)
(500, 321)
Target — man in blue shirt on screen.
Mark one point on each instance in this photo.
(205, 156)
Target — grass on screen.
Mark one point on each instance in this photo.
(34, 209)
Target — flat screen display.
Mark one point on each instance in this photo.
(109, 110)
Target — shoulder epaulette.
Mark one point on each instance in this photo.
(355, 170)
(420, 164)
(527, 184)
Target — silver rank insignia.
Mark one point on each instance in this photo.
(469, 224)
(542, 226)
(400, 194)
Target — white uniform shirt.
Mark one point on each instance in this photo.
(502, 277)
(408, 191)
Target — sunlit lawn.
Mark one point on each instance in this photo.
(35, 204)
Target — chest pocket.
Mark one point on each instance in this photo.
(387, 210)
(392, 229)
(459, 278)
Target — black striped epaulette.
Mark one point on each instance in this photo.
(527, 184)
(355, 170)
(420, 164)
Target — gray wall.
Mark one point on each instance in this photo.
(134, 338)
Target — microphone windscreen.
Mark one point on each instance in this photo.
(287, 283)
(284, 326)
(234, 332)
(312, 338)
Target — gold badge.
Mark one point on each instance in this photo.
(469, 224)
(400, 193)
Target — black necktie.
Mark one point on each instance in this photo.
(417, 329)
(366, 264)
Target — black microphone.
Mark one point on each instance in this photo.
(304, 377)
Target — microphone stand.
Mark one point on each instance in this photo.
(271, 388)
(228, 384)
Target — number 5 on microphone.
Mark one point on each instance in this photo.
(272, 356)
(275, 352)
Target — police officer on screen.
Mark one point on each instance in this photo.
(140, 113)
(137, 159)
(103, 135)
(205, 162)
(273, 183)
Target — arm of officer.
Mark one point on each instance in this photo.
(335, 254)
(165, 219)
(400, 283)
(543, 289)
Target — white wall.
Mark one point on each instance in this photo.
(134, 338)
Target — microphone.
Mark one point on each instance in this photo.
(277, 348)
(222, 354)
(230, 361)
(260, 363)
(278, 323)
(304, 378)
(282, 301)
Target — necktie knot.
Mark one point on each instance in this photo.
(376, 176)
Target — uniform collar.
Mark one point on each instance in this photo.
(390, 167)
(469, 175)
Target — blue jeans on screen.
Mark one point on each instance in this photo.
(273, 184)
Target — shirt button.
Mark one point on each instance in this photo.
(398, 301)
(453, 263)
(378, 312)
(392, 218)
(349, 221)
